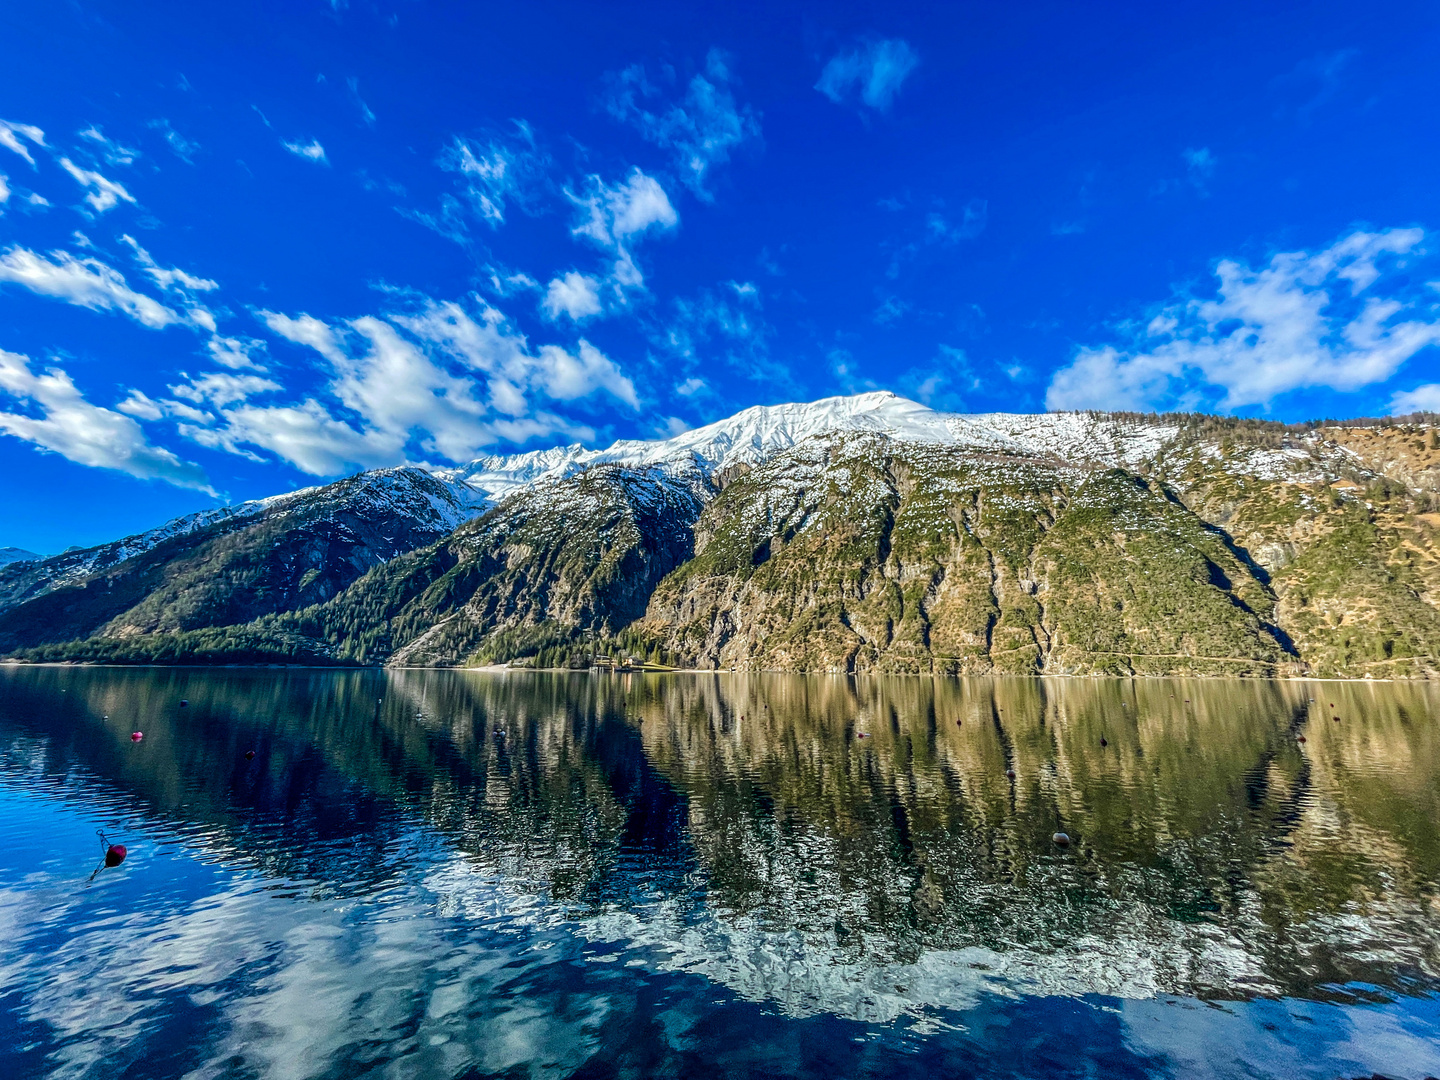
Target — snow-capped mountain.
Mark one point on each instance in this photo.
(753, 435)
(10, 555)
(860, 533)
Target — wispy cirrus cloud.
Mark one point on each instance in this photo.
(85, 433)
(495, 172)
(14, 137)
(183, 148)
(309, 151)
(492, 174)
(171, 279)
(86, 282)
(702, 129)
(1303, 320)
(100, 192)
(726, 325)
(874, 72)
(109, 149)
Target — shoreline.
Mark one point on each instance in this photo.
(505, 669)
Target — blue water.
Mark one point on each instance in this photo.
(457, 874)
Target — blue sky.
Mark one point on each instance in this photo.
(245, 248)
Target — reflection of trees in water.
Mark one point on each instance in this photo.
(1202, 825)
(1209, 842)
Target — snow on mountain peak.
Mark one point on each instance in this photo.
(755, 433)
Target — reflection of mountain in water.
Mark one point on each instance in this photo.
(829, 844)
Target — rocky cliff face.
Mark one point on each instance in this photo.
(843, 539)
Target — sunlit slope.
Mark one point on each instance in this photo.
(888, 538)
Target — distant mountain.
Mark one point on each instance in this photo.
(10, 555)
(863, 533)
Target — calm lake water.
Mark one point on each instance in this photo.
(459, 874)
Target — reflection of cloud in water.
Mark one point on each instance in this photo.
(1293, 1039)
(293, 987)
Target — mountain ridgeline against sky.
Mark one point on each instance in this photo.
(864, 533)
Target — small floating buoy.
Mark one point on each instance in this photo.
(136, 736)
(1336, 719)
(249, 755)
(114, 854)
(183, 703)
(959, 723)
(1299, 738)
(1010, 774)
(1060, 840)
(862, 735)
(1104, 742)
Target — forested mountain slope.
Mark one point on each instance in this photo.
(855, 534)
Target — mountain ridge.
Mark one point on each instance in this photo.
(850, 534)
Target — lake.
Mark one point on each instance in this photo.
(529, 874)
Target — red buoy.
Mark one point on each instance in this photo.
(114, 854)
(136, 736)
(1010, 774)
(249, 755)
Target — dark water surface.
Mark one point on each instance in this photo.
(460, 874)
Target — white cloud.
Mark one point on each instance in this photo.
(307, 330)
(84, 433)
(702, 129)
(102, 194)
(1301, 321)
(576, 295)
(172, 279)
(492, 346)
(4, 190)
(311, 151)
(613, 216)
(138, 403)
(221, 388)
(496, 172)
(691, 386)
(1422, 399)
(305, 435)
(670, 426)
(236, 353)
(566, 376)
(12, 136)
(183, 148)
(84, 282)
(875, 71)
(435, 379)
(111, 151)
